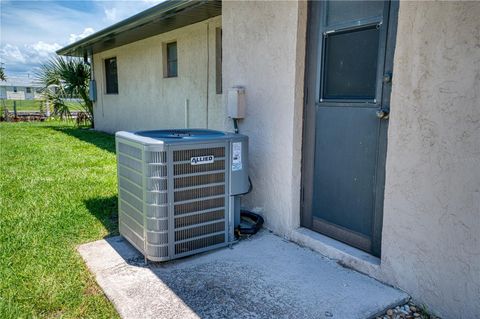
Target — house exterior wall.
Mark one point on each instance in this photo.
(431, 241)
(431, 227)
(147, 100)
(431, 232)
(260, 53)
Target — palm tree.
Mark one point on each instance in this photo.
(2, 74)
(3, 108)
(66, 78)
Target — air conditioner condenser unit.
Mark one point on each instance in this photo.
(179, 190)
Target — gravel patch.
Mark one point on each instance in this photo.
(409, 310)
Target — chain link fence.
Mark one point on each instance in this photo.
(31, 110)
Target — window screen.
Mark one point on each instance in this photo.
(350, 66)
(29, 90)
(111, 77)
(172, 59)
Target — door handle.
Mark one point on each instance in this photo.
(383, 113)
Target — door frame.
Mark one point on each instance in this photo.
(312, 71)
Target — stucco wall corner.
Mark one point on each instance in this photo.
(298, 113)
(431, 225)
(260, 54)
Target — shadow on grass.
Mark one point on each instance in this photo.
(99, 139)
(105, 209)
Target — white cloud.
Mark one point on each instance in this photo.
(75, 37)
(115, 11)
(111, 14)
(31, 31)
(42, 49)
(26, 58)
(11, 54)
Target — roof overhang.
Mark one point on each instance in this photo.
(164, 17)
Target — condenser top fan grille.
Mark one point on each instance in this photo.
(190, 134)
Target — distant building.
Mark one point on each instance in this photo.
(16, 89)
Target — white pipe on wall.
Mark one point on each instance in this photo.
(186, 113)
(208, 70)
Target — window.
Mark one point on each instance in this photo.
(29, 90)
(218, 60)
(111, 77)
(350, 66)
(14, 89)
(171, 63)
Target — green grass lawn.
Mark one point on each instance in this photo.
(57, 190)
(35, 105)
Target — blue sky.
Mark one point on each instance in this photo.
(31, 31)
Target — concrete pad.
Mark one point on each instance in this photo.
(262, 277)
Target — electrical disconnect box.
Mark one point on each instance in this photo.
(236, 103)
(92, 91)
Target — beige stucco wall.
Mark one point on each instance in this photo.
(431, 241)
(147, 100)
(260, 53)
(431, 233)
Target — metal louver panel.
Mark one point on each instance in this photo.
(199, 244)
(143, 213)
(156, 204)
(199, 198)
(130, 203)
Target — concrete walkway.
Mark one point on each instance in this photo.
(263, 277)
